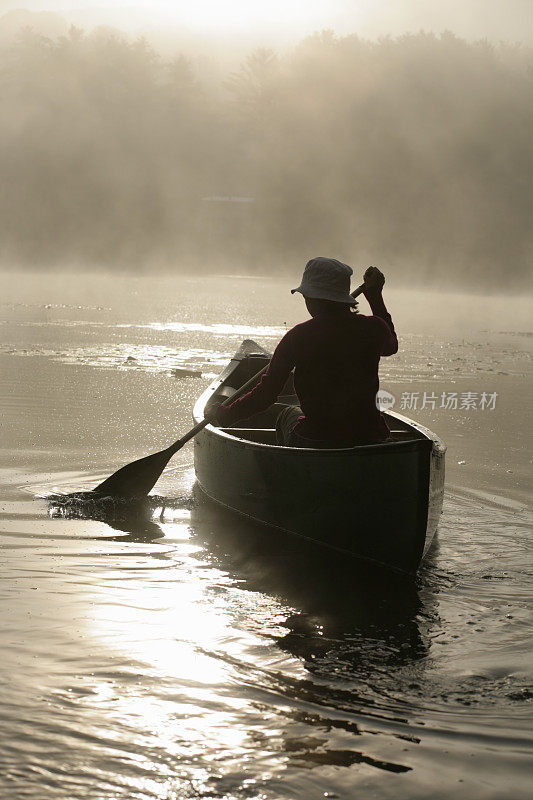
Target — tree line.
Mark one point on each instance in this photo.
(412, 151)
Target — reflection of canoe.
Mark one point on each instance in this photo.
(380, 502)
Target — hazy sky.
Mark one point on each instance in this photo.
(510, 20)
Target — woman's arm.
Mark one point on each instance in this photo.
(374, 282)
(389, 345)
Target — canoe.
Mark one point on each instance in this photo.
(379, 502)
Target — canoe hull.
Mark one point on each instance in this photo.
(377, 502)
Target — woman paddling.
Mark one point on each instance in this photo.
(335, 357)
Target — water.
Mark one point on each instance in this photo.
(168, 650)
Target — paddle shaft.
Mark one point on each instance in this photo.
(210, 417)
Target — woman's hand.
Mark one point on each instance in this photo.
(374, 281)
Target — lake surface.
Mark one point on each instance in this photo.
(168, 650)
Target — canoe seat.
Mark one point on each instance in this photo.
(261, 435)
(288, 400)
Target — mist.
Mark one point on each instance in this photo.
(410, 151)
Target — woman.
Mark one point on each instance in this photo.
(335, 357)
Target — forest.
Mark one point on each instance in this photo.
(412, 152)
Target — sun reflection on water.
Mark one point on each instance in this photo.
(169, 624)
(172, 628)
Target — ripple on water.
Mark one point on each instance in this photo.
(165, 649)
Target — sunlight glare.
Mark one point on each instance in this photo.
(240, 16)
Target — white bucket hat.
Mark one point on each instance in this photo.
(326, 279)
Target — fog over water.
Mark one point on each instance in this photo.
(412, 151)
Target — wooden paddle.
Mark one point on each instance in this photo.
(139, 477)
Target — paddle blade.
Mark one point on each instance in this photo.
(135, 479)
